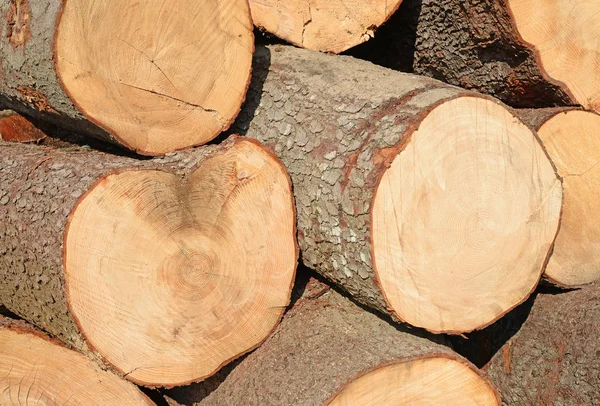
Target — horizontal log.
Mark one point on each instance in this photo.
(37, 370)
(571, 138)
(162, 270)
(432, 204)
(151, 76)
(554, 358)
(328, 350)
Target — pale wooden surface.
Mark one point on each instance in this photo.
(419, 382)
(564, 35)
(464, 217)
(323, 25)
(572, 140)
(36, 371)
(159, 76)
(193, 273)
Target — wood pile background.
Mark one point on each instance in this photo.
(204, 203)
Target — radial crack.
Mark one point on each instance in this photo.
(215, 113)
(307, 21)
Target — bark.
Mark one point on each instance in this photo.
(332, 137)
(323, 343)
(40, 187)
(42, 370)
(40, 190)
(28, 80)
(125, 83)
(554, 358)
(337, 123)
(474, 44)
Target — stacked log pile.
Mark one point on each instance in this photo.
(430, 204)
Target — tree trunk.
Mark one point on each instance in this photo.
(328, 350)
(432, 204)
(38, 370)
(554, 358)
(508, 49)
(16, 128)
(323, 25)
(151, 76)
(571, 138)
(170, 267)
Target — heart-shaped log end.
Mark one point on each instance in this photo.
(169, 278)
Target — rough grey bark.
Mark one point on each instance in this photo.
(554, 359)
(39, 188)
(336, 123)
(323, 342)
(474, 44)
(28, 80)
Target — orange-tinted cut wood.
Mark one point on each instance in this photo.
(564, 35)
(323, 25)
(36, 371)
(166, 268)
(16, 128)
(572, 140)
(159, 76)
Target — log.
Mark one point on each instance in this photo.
(424, 201)
(554, 358)
(38, 370)
(151, 76)
(528, 53)
(571, 138)
(167, 268)
(328, 350)
(323, 25)
(16, 128)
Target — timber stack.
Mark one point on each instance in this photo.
(421, 204)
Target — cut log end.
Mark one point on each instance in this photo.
(572, 142)
(169, 279)
(564, 35)
(459, 235)
(16, 128)
(158, 76)
(425, 381)
(35, 370)
(323, 25)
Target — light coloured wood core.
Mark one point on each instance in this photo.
(323, 25)
(170, 280)
(572, 140)
(464, 218)
(159, 75)
(34, 371)
(428, 381)
(565, 35)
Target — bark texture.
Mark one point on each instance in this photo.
(323, 342)
(333, 132)
(28, 80)
(337, 123)
(554, 359)
(537, 117)
(39, 188)
(474, 44)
